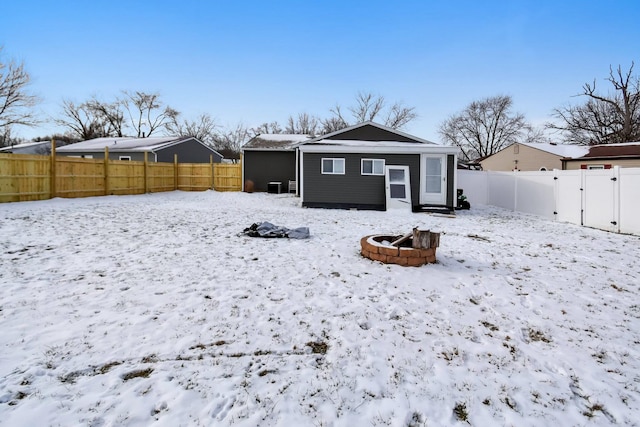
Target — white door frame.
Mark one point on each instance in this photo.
(434, 196)
(397, 202)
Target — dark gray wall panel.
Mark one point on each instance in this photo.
(372, 133)
(352, 188)
(189, 151)
(262, 167)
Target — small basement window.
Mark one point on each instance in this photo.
(332, 166)
(124, 158)
(595, 166)
(372, 167)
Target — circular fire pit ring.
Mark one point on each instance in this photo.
(378, 247)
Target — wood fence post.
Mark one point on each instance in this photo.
(146, 172)
(106, 171)
(211, 170)
(52, 170)
(175, 172)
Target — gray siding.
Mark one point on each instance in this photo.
(452, 193)
(113, 155)
(372, 133)
(189, 151)
(354, 190)
(262, 167)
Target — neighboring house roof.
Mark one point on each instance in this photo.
(608, 151)
(127, 144)
(562, 150)
(275, 141)
(26, 148)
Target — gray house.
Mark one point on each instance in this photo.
(162, 149)
(370, 166)
(271, 158)
(40, 147)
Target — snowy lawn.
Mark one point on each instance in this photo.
(151, 310)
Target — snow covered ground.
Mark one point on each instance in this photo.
(151, 310)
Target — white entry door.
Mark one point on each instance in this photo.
(398, 187)
(433, 179)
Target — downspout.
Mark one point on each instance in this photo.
(297, 170)
(300, 189)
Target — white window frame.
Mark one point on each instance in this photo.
(124, 158)
(373, 167)
(334, 160)
(543, 169)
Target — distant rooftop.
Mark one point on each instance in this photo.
(120, 143)
(276, 141)
(563, 150)
(627, 149)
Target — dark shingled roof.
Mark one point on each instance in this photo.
(629, 149)
(276, 141)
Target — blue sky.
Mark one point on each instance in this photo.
(260, 61)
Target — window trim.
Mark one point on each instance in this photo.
(333, 165)
(124, 158)
(596, 167)
(373, 162)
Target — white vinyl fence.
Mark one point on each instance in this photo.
(606, 199)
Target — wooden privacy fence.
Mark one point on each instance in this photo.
(26, 177)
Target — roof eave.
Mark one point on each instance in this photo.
(419, 148)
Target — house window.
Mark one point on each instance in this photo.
(595, 166)
(372, 167)
(124, 158)
(332, 166)
(543, 169)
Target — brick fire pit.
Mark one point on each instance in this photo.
(378, 248)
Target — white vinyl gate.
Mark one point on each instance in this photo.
(606, 199)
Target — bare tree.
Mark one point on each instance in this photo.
(229, 143)
(369, 107)
(146, 113)
(204, 128)
(399, 115)
(272, 127)
(484, 127)
(6, 138)
(335, 122)
(332, 124)
(111, 114)
(603, 119)
(304, 124)
(16, 103)
(81, 120)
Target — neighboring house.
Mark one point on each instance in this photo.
(40, 147)
(271, 158)
(370, 166)
(162, 149)
(531, 157)
(626, 155)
